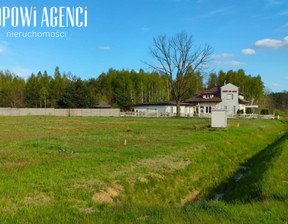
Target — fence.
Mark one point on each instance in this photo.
(59, 112)
(142, 114)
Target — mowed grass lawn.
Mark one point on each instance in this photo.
(142, 170)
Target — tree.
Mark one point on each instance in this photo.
(123, 99)
(212, 80)
(221, 78)
(12, 88)
(76, 95)
(32, 92)
(176, 56)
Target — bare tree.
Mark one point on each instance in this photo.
(177, 56)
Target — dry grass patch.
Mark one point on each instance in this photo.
(164, 164)
(2, 151)
(143, 180)
(191, 197)
(37, 199)
(86, 210)
(108, 195)
(156, 176)
(88, 185)
(20, 163)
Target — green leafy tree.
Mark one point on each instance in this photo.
(123, 99)
(76, 95)
(212, 80)
(12, 90)
(33, 92)
(221, 80)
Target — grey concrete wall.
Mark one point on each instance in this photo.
(6, 111)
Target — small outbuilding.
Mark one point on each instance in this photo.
(102, 105)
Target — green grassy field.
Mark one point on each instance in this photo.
(142, 170)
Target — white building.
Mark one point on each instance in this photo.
(226, 97)
(166, 107)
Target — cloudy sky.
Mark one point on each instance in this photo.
(248, 34)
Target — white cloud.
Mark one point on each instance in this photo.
(272, 43)
(224, 55)
(276, 84)
(1, 50)
(248, 51)
(105, 48)
(228, 63)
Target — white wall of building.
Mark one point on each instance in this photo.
(230, 103)
(164, 109)
(230, 100)
(206, 108)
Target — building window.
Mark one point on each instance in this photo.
(229, 97)
(208, 110)
(202, 109)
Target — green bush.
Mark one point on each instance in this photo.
(264, 111)
(248, 111)
(279, 112)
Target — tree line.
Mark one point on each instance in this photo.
(120, 88)
(275, 103)
(251, 86)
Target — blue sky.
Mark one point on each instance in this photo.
(251, 35)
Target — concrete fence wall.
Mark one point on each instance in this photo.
(59, 112)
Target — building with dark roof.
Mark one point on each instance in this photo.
(226, 97)
(102, 105)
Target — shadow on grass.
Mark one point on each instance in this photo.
(245, 185)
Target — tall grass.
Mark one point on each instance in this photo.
(134, 170)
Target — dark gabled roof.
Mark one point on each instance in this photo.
(167, 103)
(198, 98)
(242, 101)
(241, 94)
(102, 104)
(215, 90)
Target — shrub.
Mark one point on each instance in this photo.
(279, 112)
(248, 111)
(264, 111)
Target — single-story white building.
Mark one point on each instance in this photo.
(166, 107)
